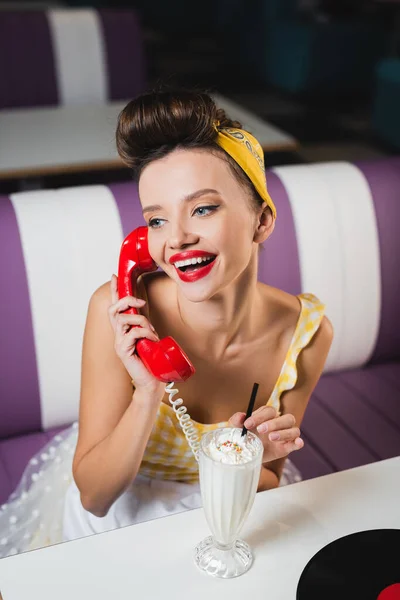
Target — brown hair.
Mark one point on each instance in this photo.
(155, 123)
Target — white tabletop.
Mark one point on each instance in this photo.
(40, 141)
(286, 527)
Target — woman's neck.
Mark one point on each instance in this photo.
(221, 325)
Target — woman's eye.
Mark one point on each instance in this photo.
(155, 223)
(206, 209)
(202, 211)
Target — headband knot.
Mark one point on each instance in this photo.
(247, 152)
(216, 124)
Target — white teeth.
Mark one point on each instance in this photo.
(191, 261)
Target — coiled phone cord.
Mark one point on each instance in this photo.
(184, 419)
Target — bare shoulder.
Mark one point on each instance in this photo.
(310, 366)
(324, 334)
(312, 359)
(282, 311)
(102, 295)
(279, 300)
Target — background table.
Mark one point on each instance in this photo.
(286, 527)
(47, 141)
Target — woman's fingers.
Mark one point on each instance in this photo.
(128, 341)
(279, 429)
(237, 419)
(297, 444)
(284, 435)
(262, 414)
(124, 322)
(136, 333)
(114, 288)
(282, 422)
(127, 302)
(124, 304)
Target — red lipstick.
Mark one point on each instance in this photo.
(196, 273)
(188, 254)
(199, 273)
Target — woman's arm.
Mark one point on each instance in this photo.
(114, 423)
(268, 480)
(310, 365)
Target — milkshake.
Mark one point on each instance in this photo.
(229, 466)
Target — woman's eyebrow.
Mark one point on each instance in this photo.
(188, 198)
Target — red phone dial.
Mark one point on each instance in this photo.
(164, 359)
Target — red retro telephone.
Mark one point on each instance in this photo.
(164, 359)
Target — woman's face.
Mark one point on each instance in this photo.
(196, 210)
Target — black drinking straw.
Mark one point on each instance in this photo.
(250, 406)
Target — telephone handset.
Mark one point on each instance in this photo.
(164, 359)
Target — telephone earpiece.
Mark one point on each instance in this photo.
(164, 359)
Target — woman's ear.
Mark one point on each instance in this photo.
(265, 225)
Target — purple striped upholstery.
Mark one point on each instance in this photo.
(19, 392)
(127, 199)
(353, 416)
(28, 61)
(278, 260)
(384, 180)
(124, 53)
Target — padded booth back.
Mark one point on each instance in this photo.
(336, 236)
(64, 56)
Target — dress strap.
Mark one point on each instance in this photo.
(311, 315)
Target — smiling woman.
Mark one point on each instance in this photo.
(204, 198)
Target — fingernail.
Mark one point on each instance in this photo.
(274, 436)
(141, 301)
(263, 428)
(249, 423)
(152, 328)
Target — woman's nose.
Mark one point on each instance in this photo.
(180, 237)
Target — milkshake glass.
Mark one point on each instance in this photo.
(229, 467)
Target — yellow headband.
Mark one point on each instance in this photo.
(247, 152)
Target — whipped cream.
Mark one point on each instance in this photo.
(229, 447)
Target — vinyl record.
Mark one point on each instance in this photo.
(359, 566)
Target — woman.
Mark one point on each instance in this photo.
(203, 193)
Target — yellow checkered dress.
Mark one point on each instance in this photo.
(167, 454)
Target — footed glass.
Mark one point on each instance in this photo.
(229, 467)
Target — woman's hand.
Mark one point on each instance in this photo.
(279, 435)
(128, 329)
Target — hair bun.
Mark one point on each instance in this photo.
(156, 122)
